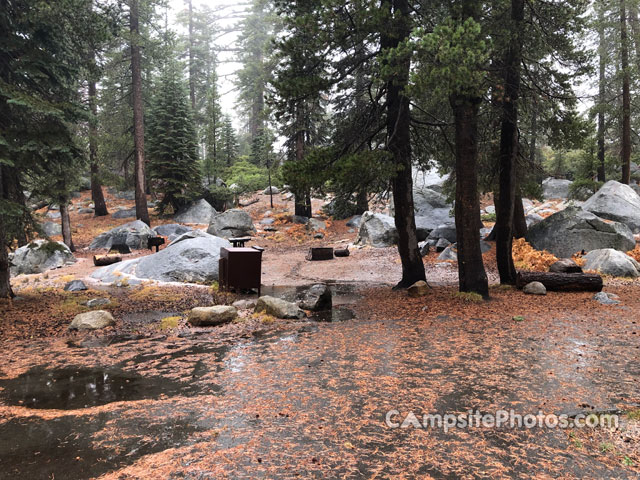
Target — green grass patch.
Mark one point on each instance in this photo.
(468, 297)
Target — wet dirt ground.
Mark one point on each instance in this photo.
(309, 399)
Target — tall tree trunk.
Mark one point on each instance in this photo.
(626, 96)
(96, 188)
(519, 218)
(399, 142)
(66, 225)
(471, 272)
(601, 95)
(301, 197)
(14, 192)
(362, 201)
(142, 213)
(533, 163)
(5, 273)
(192, 79)
(509, 147)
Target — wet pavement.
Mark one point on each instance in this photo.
(310, 401)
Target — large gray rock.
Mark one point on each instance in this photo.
(428, 222)
(573, 230)
(446, 231)
(196, 212)
(92, 320)
(612, 262)
(126, 195)
(616, 201)
(377, 230)
(40, 256)
(172, 230)
(51, 229)
(318, 297)
(426, 199)
(232, 223)
(278, 308)
(212, 316)
(192, 260)
(188, 236)
(556, 188)
(133, 234)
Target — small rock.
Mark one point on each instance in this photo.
(354, 221)
(92, 320)
(98, 302)
(300, 219)
(565, 265)
(274, 191)
(490, 210)
(127, 213)
(442, 244)
(278, 308)
(606, 298)
(424, 248)
(75, 286)
(318, 236)
(267, 221)
(212, 316)
(418, 289)
(86, 211)
(248, 304)
(316, 298)
(316, 224)
(54, 215)
(535, 288)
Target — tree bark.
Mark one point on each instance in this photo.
(562, 282)
(100, 206)
(302, 198)
(66, 225)
(142, 213)
(362, 201)
(399, 143)
(519, 218)
(601, 95)
(509, 148)
(626, 96)
(5, 273)
(192, 79)
(471, 272)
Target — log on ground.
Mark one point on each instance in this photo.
(562, 282)
(103, 260)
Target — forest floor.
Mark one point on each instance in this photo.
(266, 398)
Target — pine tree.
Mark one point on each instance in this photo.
(172, 148)
(228, 142)
(40, 68)
(212, 126)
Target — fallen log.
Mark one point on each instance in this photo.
(562, 282)
(249, 202)
(104, 260)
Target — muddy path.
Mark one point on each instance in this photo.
(309, 399)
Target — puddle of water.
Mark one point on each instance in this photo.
(80, 447)
(80, 387)
(336, 314)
